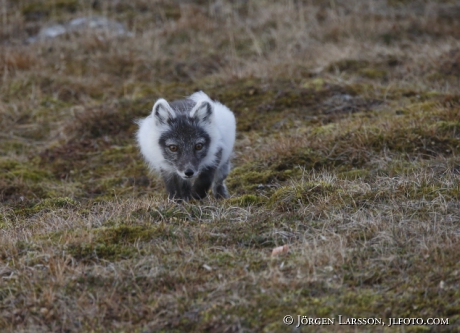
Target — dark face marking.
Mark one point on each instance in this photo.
(186, 134)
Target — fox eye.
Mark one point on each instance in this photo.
(173, 148)
(199, 146)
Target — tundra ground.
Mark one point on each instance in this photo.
(347, 151)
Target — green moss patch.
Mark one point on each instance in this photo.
(23, 180)
(113, 243)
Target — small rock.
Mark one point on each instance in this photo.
(280, 123)
(97, 24)
(280, 250)
(52, 31)
(207, 267)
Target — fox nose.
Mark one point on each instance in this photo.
(189, 172)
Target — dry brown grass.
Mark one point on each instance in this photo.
(347, 151)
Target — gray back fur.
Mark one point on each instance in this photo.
(182, 105)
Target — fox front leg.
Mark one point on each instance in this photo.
(178, 188)
(203, 183)
(219, 188)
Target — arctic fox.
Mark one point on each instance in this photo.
(189, 142)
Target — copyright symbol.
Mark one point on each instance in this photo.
(288, 320)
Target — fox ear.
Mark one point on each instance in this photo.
(162, 111)
(203, 112)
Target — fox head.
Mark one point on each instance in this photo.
(186, 134)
